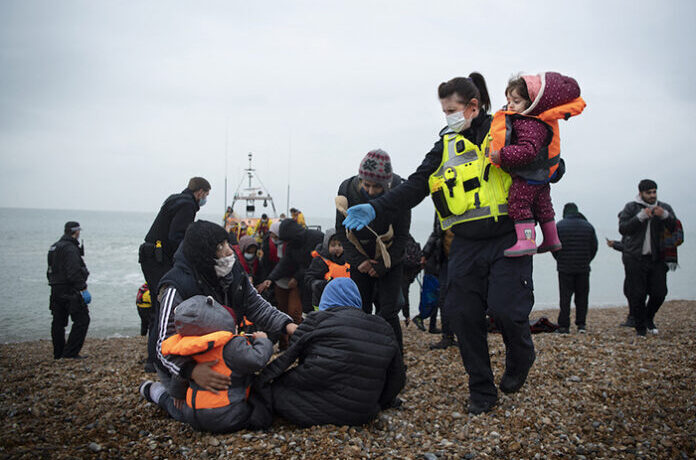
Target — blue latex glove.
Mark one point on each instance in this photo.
(359, 216)
(86, 296)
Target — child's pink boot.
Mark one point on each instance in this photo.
(525, 246)
(551, 242)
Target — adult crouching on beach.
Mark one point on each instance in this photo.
(349, 364)
(156, 254)
(470, 195)
(205, 264)
(378, 277)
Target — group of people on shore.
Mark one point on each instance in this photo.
(218, 309)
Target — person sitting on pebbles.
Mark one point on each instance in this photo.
(201, 321)
(205, 264)
(349, 364)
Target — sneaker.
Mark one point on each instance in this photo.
(641, 332)
(444, 343)
(630, 322)
(581, 329)
(144, 390)
(476, 408)
(435, 330)
(418, 321)
(653, 330)
(75, 357)
(563, 330)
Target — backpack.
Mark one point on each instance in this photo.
(412, 254)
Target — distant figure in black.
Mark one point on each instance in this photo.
(573, 263)
(67, 274)
(156, 254)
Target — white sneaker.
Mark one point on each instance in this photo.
(654, 331)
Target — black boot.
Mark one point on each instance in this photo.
(630, 322)
(445, 342)
(512, 382)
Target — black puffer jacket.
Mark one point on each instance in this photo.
(579, 244)
(633, 230)
(349, 368)
(65, 264)
(401, 222)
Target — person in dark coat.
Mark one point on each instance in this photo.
(642, 223)
(370, 273)
(573, 264)
(67, 275)
(349, 364)
(156, 254)
(299, 244)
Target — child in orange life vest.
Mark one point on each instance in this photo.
(327, 263)
(530, 153)
(205, 331)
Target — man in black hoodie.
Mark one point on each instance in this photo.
(156, 254)
(376, 279)
(67, 275)
(573, 263)
(642, 224)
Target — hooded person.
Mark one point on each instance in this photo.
(299, 244)
(205, 264)
(377, 278)
(206, 331)
(328, 263)
(246, 253)
(334, 382)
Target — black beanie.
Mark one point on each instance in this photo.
(646, 184)
(570, 209)
(200, 244)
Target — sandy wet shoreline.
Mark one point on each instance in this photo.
(605, 394)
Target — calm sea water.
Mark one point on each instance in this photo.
(111, 252)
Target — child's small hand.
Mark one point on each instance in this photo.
(495, 157)
(259, 335)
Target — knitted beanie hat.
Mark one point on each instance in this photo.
(200, 244)
(533, 83)
(376, 167)
(570, 209)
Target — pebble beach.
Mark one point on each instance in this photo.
(603, 394)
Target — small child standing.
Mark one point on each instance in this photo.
(327, 263)
(526, 144)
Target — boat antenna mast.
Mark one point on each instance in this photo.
(251, 194)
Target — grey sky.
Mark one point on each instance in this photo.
(114, 105)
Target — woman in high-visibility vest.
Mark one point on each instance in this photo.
(470, 196)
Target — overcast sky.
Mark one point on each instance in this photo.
(113, 105)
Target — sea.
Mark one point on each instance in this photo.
(111, 241)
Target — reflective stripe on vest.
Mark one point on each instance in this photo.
(543, 167)
(203, 349)
(335, 270)
(466, 186)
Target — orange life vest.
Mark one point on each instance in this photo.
(203, 348)
(335, 270)
(546, 163)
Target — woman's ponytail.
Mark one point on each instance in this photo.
(485, 99)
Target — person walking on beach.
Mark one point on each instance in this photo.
(470, 196)
(642, 224)
(579, 242)
(377, 277)
(67, 274)
(156, 254)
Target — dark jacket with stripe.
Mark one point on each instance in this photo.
(349, 368)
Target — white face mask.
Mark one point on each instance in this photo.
(224, 265)
(458, 122)
(248, 256)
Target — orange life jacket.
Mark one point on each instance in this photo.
(203, 348)
(335, 270)
(546, 163)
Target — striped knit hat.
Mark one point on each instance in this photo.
(376, 167)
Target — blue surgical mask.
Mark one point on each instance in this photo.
(203, 201)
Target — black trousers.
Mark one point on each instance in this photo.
(153, 270)
(67, 303)
(569, 284)
(481, 280)
(645, 280)
(387, 290)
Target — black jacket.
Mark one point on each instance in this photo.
(415, 188)
(633, 230)
(175, 215)
(401, 222)
(299, 244)
(65, 265)
(349, 368)
(579, 244)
